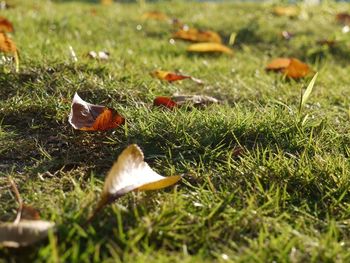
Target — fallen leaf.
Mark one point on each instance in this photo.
(172, 76)
(155, 15)
(24, 233)
(163, 101)
(6, 44)
(195, 35)
(289, 11)
(89, 117)
(100, 55)
(181, 100)
(209, 48)
(5, 25)
(130, 172)
(291, 67)
(343, 18)
(29, 213)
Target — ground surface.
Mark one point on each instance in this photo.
(261, 182)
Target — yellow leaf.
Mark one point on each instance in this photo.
(195, 35)
(290, 11)
(209, 48)
(130, 172)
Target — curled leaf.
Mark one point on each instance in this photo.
(290, 67)
(89, 117)
(209, 48)
(289, 11)
(172, 76)
(5, 25)
(130, 172)
(181, 100)
(24, 233)
(195, 35)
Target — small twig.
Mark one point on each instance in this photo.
(19, 200)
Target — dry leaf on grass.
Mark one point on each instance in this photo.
(195, 35)
(172, 76)
(89, 117)
(27, 228)
(289, 11)
(290, 67)
(9, 47)
(24, 233)
(155, 15)
(182, 100)
(130, 172)
(343, 18)
(5, 25)
(209, 48)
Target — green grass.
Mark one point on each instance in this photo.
(283, 197)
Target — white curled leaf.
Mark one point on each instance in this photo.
(23, 233)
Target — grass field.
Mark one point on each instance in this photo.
(262, 181)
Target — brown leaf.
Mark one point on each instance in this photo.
(155, 15)
(172, 76)
(29, 213)
(209, 48)
(89, 117)
(195, 35)
(5, 25)
(291, 67)
(24, 233)
(343, 18)
(289, 11)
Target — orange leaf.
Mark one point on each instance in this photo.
(89, 117)
(195, 35)
(278, 64)
(209, 48)
(5, 25)
(155, 15)
(296, 69)
(166, 102)
(291, 67)
(6, 44)
(171, 76)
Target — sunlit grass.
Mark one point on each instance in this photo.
(261, 182)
